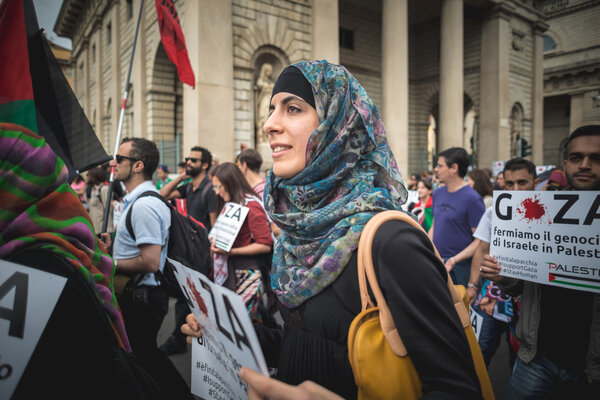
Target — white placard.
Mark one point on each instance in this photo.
(476, 322)
(228, 340)
(548, 237)
(540, 169)
(27, 299)
(413, 197)
(228, 225)
(497, 167)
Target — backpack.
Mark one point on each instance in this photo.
(375, 348)
(188, 244)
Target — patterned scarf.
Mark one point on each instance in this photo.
(350, 175)
(37, 205)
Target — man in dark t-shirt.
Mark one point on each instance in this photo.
(201, 200)
(201, 204)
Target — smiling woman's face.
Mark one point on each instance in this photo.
(291, 122)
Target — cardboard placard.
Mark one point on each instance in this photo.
(551, 238)
(228, 225)
(27, 298)
(228, 338)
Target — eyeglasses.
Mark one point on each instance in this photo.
(217, 187)
(120, 158)
(192, 159)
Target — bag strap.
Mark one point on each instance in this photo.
(366, 274)
(149, 193)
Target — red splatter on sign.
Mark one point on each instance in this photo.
(531, 209)
(197, 296)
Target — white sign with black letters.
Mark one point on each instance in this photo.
(27, 299)
(228, 338)
(412, 197)
(548, 237)
(228, 225)
(476, 322)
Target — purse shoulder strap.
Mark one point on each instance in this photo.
(366, 275)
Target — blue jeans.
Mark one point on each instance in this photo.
(461, 272)
(542, 379)
(489, 337)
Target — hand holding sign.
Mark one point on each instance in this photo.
(547, 237)
(228, 225)
(490, 269)
(262, 386)
(222, 336)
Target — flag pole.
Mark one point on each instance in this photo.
(120, 126)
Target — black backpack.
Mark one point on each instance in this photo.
(188, 244)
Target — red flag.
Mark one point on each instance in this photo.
(172, 38)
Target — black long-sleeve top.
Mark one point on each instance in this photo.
(313, 343)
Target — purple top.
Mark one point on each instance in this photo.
(454, 215)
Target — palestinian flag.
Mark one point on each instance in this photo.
(576, 282)
(35, 94)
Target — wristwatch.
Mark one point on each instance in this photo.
(472, 285)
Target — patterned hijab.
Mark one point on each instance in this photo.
(37, 205)
(350, 175)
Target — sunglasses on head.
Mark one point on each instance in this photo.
(120, 158)
(192, 159)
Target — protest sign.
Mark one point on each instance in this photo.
(540, 169)
(228, 338)
(476, 322)
(497, 167)
(27, 299)
(548, 237)
(228, 225)
(412, 197)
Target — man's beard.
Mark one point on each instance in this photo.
(193, 172)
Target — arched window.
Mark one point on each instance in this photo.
(549, 43)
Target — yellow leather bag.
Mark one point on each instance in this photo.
(381, 366)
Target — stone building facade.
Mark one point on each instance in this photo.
(444, 73)
(571, 71)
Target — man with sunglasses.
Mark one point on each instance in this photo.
(201, 200)
(145, 303)
(201, 204)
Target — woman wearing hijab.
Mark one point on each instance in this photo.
(82, 352)
(332, 171)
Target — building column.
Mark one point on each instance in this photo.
(451, 75)
(208, 109)
(86, 76)
(326, 31)
(494, 131)
(116, 93)
(138, 78)
(537, 103)
(394, 73)
(576, 119)
(100, 106)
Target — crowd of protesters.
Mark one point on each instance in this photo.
(332, 171)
